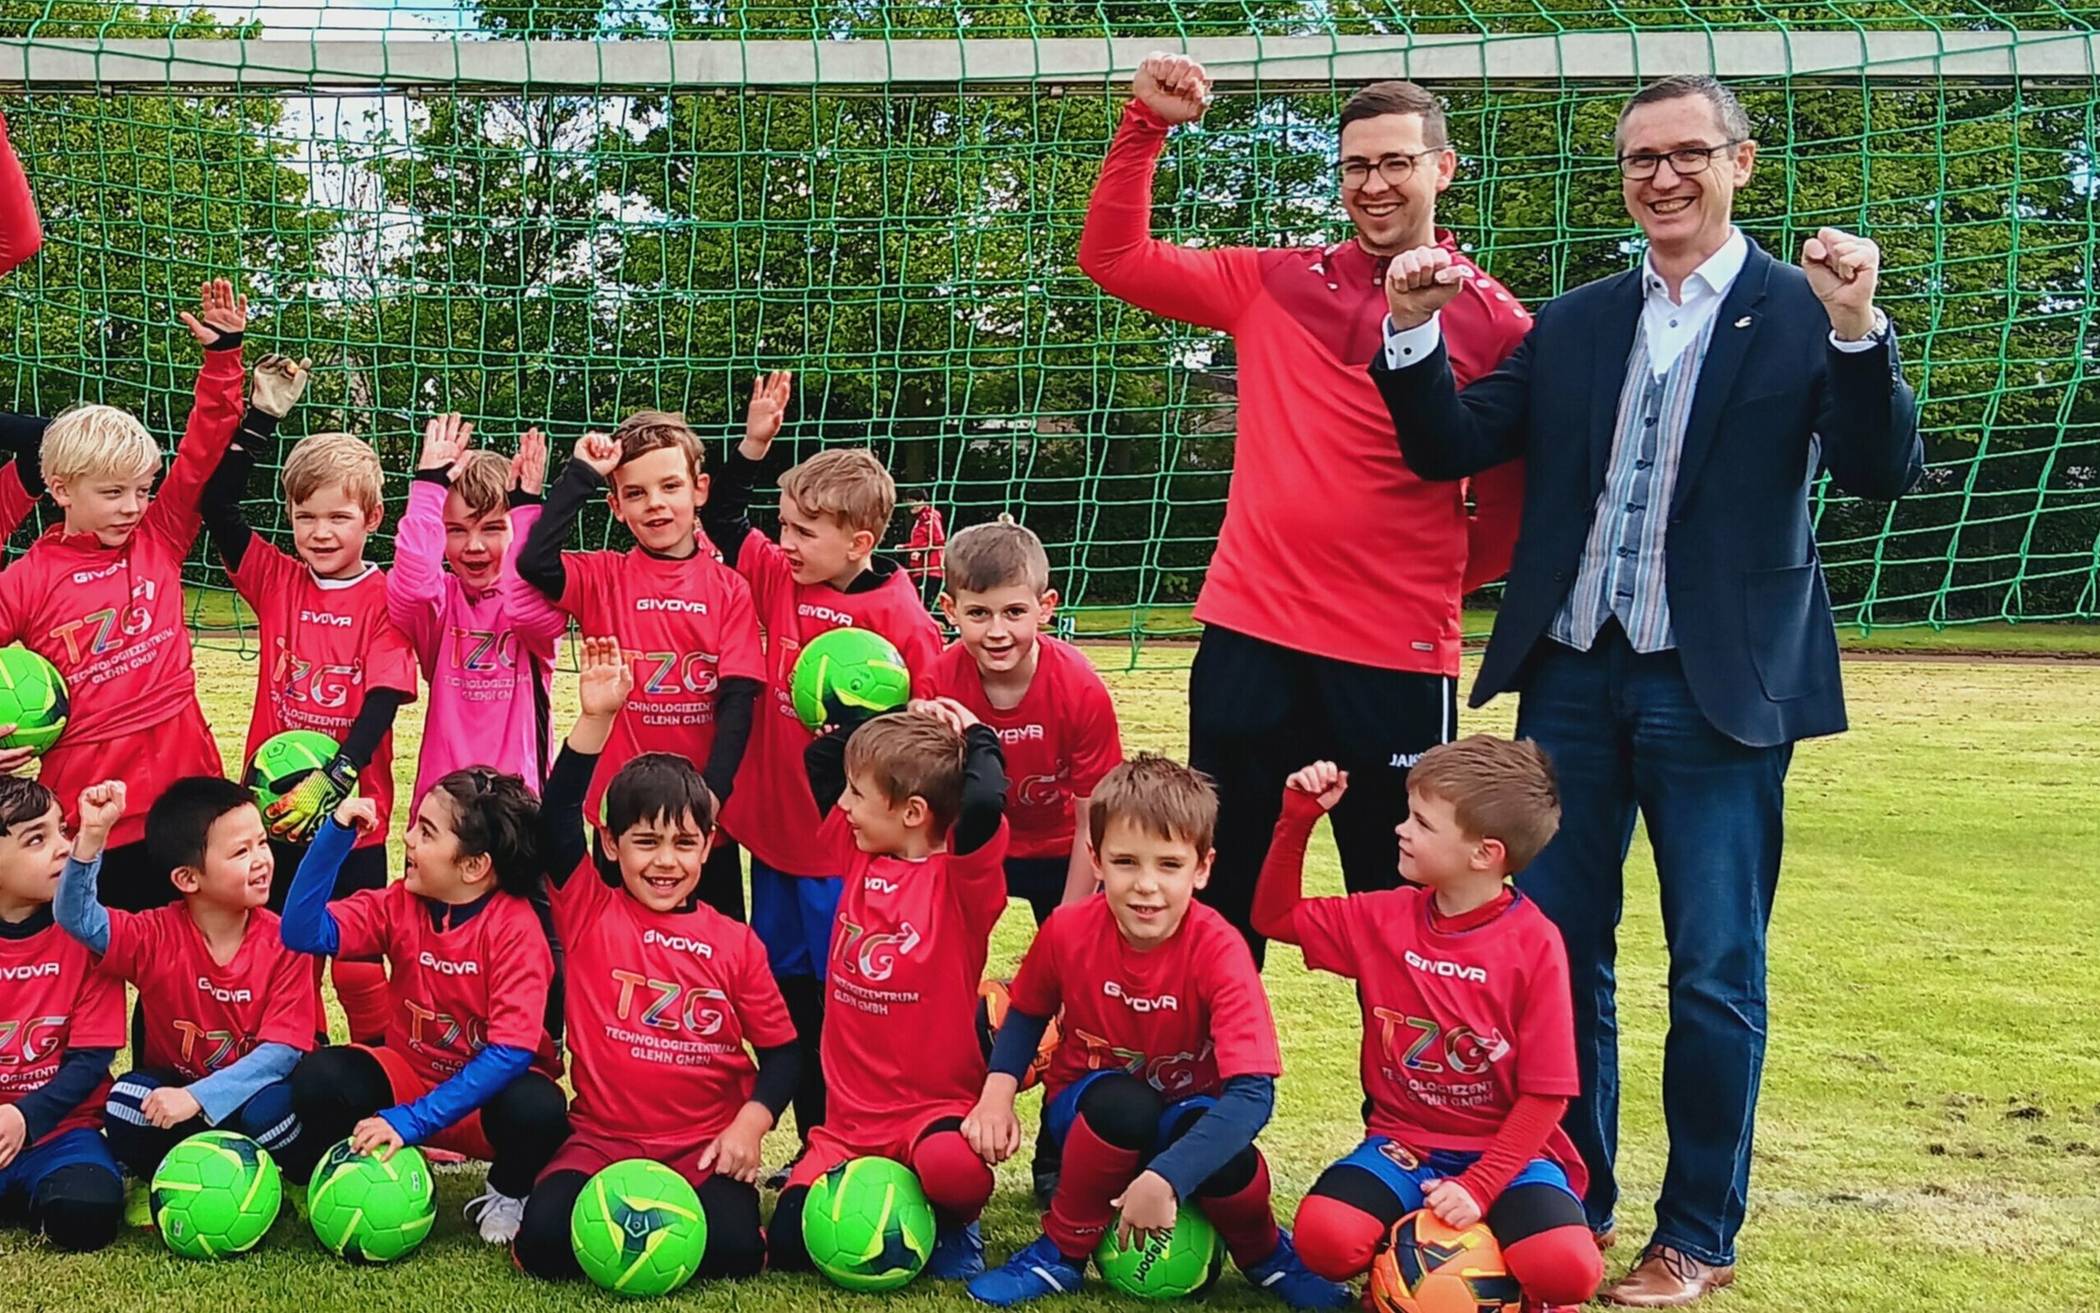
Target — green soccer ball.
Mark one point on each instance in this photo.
(847, 670)
(32, 699)
(369, 1211)
(284, 760)
(215, 1195)
(867, 1224)
(637, 1229)
(1185, 1262)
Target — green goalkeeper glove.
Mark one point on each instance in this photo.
(294, 817)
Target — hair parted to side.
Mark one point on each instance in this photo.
(1398, 97)
(847, 484)
(1728, 111)
(495, 816)
(333, 460)
(1159, 795)
(653, 430)
(1498, 789)
(93, 439)
(178, 825)
(1001, 554)
(23, 800)
(484, 483)
(658, 788)
(907, 756)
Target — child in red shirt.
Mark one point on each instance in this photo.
(468, 1065)
(664, 994)
(1168, 1064)
(65, 1022)
(1469, 1037)
(225, 1009)
(100, 596)
(915, 803)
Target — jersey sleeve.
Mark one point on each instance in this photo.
(364, 923)
(135, 942)
(740, 657)
(390, 661)
(1326, 928)
(292, 1006)
(586, 576)
(521, 974)
(584, 894)
(214, 415)
(760, 562)
(21, 231)
(1038, 988)
(978, 878)
(1242, 1029)
(1545, 1039)
(16, 505)
(760, 1010)
(266, 571)
(1096, 743)
(535, 618)
(98, 1014)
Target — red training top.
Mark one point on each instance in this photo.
(52, 999)
(925, 547)
(1330, 545)
(15, 502)
(199, 1016)
(21, 232)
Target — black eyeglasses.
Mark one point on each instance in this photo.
(1395, 169)
(1684, 161)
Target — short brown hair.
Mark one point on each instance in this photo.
(1398, 97)
(1001, 554)
(652, 430)
(911, 756)
(1160, 795)
(1497, 789)
(484, 483)
(848, 484)
(331, 460)
(1728, 111)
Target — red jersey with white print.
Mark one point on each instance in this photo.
(454, 990)
(52, 999)
(199, 1016)
(325, 643)
(1058, 740)
(1456, 1025)
(772, 812)
(660, 1007)
(908, 950)
(1184, 1017)
(111, 620)
(686, 625)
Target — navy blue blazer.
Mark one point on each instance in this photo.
(1776, 405)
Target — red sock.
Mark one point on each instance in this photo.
(1336, 1239)
(1559, 1266)
(955, 1179)
(1093, 1173)
(1244, 1218)
(361, 986)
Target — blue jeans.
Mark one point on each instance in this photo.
(1624, 733)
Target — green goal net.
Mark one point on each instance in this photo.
(553, 212)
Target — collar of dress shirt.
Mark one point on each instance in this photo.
(1718, 272)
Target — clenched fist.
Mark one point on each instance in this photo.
(1420, 282)
(1844, 271)
(1174, 87)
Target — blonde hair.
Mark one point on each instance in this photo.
(96, 439)
(1161, 796)
(848, 484)
(1497, 789)
(911, 756)
(996, 555)
(483, 484)
(331, 460)
(653, 430)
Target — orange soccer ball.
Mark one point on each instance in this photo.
(1425, 1266)
(993, 999)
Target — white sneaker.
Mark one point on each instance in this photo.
(500, 1216)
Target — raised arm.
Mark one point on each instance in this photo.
(215, 415)
(1868, 423)
(1308, 795)
(21, 232)
(539, 560)
(415, 582)
(1445, 434)
(602, 686)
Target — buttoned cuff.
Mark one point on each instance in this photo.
(1867, 343)
(1412, 346)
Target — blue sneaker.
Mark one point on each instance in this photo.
(958, 1254)
(1030, 1274)
(1285, 1275)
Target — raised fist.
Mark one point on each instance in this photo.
(1174, 87)
(1420, 282)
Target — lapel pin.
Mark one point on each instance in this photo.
(1744, 322)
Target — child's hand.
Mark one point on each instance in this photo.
(223, 313)
(294, 817)
(598, 451)
(446, 440)
(170, 1106)
(1324, 780)
(1148, 1207)
(606, 677)
(735, 1152)
(948, 711)
(14, 760)
(766, 413)
(359, 814)
(992, 1130)
(528, 469)
(376, 1137)
(276, 384)
(14, 1133)
(1451, 1203)
(101, 807)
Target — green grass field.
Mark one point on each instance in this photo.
(1930, 1132)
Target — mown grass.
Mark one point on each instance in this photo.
(1930, 1131)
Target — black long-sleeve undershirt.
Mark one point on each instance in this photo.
(22, 436)
(539, 558)
(736, 707)
(725, 517)
(219, 505)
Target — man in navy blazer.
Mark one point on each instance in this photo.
(1665, 618)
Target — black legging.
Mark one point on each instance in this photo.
(78, 1207)
(736, 1246)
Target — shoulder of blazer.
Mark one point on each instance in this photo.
(1590, 299)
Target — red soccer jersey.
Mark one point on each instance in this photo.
(52, 999)
(1186, 1016)
(199, 1016)
(686, 625)
(457, 990)
(1059, 740)
(659, 1009)
(908, 949)
(111, 620)
(771, 812)
(325, 643)
(1456, 1026)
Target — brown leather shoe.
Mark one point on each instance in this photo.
(1667, 1278)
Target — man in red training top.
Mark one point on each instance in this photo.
(1331, 607)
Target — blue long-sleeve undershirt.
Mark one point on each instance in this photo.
(222, 1093)
(469, 1088)
(306, 924)
(78, 907)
